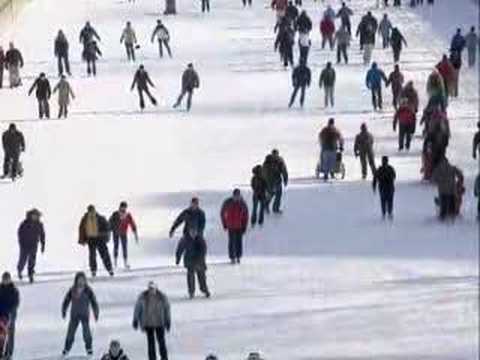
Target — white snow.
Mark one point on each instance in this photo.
(327, 280)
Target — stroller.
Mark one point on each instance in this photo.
(4, 332)
(339, 170)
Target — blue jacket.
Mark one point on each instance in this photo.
(458, 43)
(374, 78)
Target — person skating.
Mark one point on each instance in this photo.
(363, 148)
(476, 192)
(43, 91)
(345, 13)
(374, 79)
(190, 82)
(13, 143)
(472, 43)
(327, 82)
(367, 30)
(142, 81)
(61, 50)
(129, 38)
(115, 352)
(90, 55)
(446, 176)
(397, 41)
(476, 145)
(327, 29)
(2, 65)
(385, 29)
(284, 44)
(88, 34)
(342, 39)
(234, 216)
(259, 195)
(30, 234)
(65, 94)
(81, 299)
(303, 23)
(192, 246)
(406, 119)
(152, 315)
(395, 79)
(304, 44)
(94, 232)
(13, 63)
(330, 140)
(301, 79)
(385, 179)
(162, 35)
(9, 304)
(120, 222)
(276, 176)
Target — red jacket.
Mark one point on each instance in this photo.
(234, 214)
(119, 223)
(446, 70)
(327, 26)
(405, 116)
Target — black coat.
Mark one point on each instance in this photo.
(102, 226)
(30, 233)
(13, 142)
(190, 80)
(9, 300)
(397, 40)
(385, 178)
(304, 24)
(301, 76)
(259, 186)
(61, 46)
(194, 251)
(88, 34)
(193, 220)
(42, 88)
(91, 51)
(142, 80)
(291, 12)
(13, 57)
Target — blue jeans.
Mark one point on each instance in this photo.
(123, 240)
(277, 197)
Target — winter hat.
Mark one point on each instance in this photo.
(211, 357)
(34, 212)
(254, 356)
(152, 285)
(123, 204)
(236, 192)
(331, 121)
(90, 208)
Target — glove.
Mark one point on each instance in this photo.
(135, 325)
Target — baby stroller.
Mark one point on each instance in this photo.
(338, 171)
(4, 331)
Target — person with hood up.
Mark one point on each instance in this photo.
(115, 352)
(301, 79)
(129, 38)
(82, 300)
(327, 29)
(276, 176)
(330, 140)
(9, 304)
(120, 222)
(342, 38)
(396, 80)
(363, 148)
(374, 79)
(385, 179)
(234, 216)
(43, 91)
(259, 195)
(61, 48)
(13, 143)
(142, 81)
(162, 35)
(152, 315)
(13, 63)
(190, 82)
(404, 116)
(385, 29)
(345, 13)
(65, 94)
(30, 234)
(192, 246)
(472, 42)
(397, 41)
(327, 81)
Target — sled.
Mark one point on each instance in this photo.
(339, 171)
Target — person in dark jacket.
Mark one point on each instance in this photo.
(43, 91)
(345, 13)
(13, 63)
(190, 82)
(120, 222)
(291, 12)
(259, 195)
(90, 56)
(327, 81)
(192, 246)
(30, 234)
(94, 231)
(81, 299)
(385, 178)
(284, 44)
(142, 81)
(88, 34)
(61, 52)
(234, 215)
(13, 144)
(367, 28)
(276, 175)
(330, 140)
(476, 145)
(115, 352)
(363, 148)
(395, 79)
(407, 120)
(396, 42)
(374, 79)
(304, 23)
(152, 315)
(458, 42)
(9, 303)
(447, 177)
(301, 79)
(2, 66)
(163, 37)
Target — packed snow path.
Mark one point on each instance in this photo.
(327, 280)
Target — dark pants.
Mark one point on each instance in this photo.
(447, 206)
(27, 255)
(162, 43)
(277, 198)
(159, 334)
(62, 60)
(386, 202)
(1, 76)
(189, 93)
(367, 158)
(202, 280)
(10, 345)
(385, 41)
(405, 133)
(256, 202)
(348, 25)
(304, 50)
(245, 2)
(342, 52)
(94, 245)
(235, 244)
(377, 101)
(205, 5)
(63, 111)
(478, 208)
(10, 164)
(72, 329)
(142, 99)
(396, 97)
(287, 56)
(120, 239)
(396, 54)
(92, 67)
(130, 49)
(43, 108)
(328, 39)
(294, 95)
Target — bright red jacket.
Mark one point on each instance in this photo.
(405, 116)
(234, 215)
(120, 224)
(327, 26)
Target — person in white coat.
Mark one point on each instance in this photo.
(130, 40)
(65, 94)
